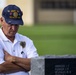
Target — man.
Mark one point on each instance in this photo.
(16, 50)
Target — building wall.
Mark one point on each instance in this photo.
(47, 13)
(0, 12)
(56, 16)
(41, 16)
(74, 16)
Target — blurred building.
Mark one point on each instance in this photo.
(55, 11)
(45, 11)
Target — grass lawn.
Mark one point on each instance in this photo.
(52, 40)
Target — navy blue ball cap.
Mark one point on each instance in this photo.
(13, 15)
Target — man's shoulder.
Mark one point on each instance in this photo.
(23, 37)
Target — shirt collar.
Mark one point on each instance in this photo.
(4, 38)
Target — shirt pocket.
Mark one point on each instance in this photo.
(22, 53)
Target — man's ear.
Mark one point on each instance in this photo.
(1, 19)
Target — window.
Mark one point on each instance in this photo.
(58, 4)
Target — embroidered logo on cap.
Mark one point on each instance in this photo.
(14, 14)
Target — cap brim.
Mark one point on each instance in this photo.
(14, 21)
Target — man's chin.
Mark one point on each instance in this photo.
(12, 35)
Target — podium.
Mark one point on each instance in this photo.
(54, 65)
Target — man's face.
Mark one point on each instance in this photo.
(8, 29)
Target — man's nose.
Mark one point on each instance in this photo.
(14, 27)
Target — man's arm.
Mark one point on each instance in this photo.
(22, 62)
(14, 64)
(8, 67)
